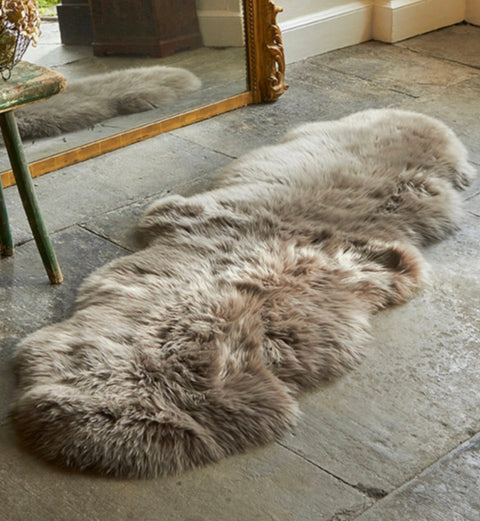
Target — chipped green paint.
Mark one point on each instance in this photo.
(6, 244)
(29, 83)
(13, 144)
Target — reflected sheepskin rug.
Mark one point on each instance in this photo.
(93, 99)
(197, 346)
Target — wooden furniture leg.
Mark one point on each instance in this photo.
(13, 144)
(6, 243)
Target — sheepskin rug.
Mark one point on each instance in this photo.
(91, 100)
(198, 346)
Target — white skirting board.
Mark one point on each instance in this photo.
(395, 20)
(353, 22)
(326, 30)
(472, 14)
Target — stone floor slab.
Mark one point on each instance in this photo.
(413, 73)
(267, 484)
(446, 491)
(80, 192)
(459, 43)
(119, 225)
(317, 94)
(52, 55)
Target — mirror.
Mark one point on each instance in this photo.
(233, 47)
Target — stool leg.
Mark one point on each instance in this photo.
(13, 143)
(6, 244)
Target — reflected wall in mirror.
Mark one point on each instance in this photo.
(233, 47)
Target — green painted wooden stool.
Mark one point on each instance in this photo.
(29, 83)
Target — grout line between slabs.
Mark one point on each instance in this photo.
(50, 233)
(407, 483)
(210, 149)
(372, 492)
(370, 81)
(441, 58)
(106, 239)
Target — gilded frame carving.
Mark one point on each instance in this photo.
(266, 59)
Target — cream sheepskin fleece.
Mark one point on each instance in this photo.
(93, 99)
(197, 346)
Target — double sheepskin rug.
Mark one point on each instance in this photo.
(198, 346)
(91, 100)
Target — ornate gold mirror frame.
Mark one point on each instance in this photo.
(266, 70)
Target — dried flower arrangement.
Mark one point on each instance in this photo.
(19, 25)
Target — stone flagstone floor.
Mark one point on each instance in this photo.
(398, 439)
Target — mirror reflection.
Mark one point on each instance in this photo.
(129, 63)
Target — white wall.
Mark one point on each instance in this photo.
(312, 27)
(220, 22)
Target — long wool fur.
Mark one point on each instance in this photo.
(197, 346)
(91, 100)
